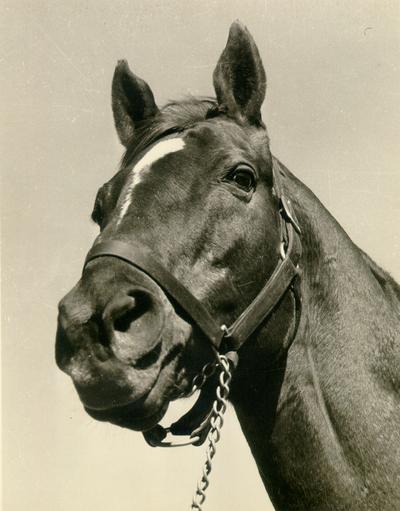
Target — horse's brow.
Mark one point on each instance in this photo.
(156, 153)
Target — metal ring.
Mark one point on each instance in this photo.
(224, 328)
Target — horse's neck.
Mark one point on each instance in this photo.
(322, 423)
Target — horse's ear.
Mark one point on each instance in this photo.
(239, 78)
(132, 101)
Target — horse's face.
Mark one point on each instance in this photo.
(199, 199)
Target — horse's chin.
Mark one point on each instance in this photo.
(144, 413)
(134, 416)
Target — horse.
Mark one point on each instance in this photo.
(202, 227)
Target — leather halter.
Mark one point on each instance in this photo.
(222, 338)
(225, 340)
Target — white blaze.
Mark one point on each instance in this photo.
(164, 147)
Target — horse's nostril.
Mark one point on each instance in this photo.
(124, 317)
(136, 305)
(133, 323)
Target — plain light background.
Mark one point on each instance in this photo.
(333, 117)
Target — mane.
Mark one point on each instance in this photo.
(174, 117)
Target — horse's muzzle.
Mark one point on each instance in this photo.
(110, 340)
(129, 328)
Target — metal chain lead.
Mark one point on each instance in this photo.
(200, 379)
(217, 421)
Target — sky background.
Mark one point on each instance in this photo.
(333, 117)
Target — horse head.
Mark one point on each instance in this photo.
(196, 191)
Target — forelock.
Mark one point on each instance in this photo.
(173, 118)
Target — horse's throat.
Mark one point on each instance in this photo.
(289, 430)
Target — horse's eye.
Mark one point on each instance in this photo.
(97, 214)
(243, 177)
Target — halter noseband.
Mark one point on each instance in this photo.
(225, 340)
